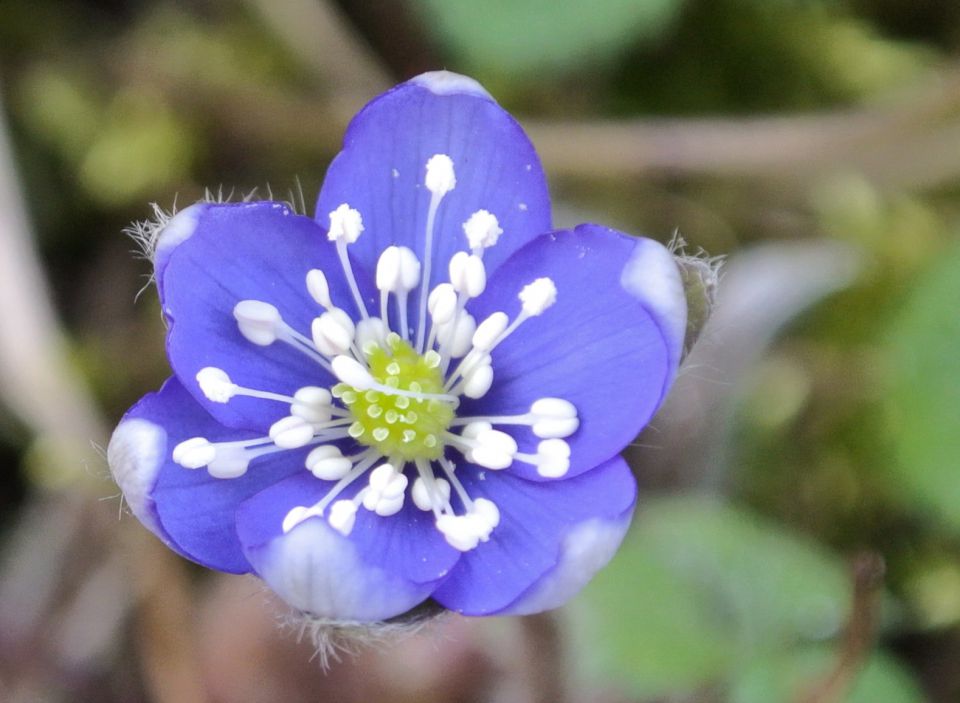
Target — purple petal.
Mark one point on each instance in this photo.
(603, 346)
(227, 253)
(385, 567)
(381, 169)
(187, 508)
(586, 549)
(534, 558)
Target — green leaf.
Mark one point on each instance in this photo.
(785, 677)
(526, 36)
(699, 590)
(925, 397)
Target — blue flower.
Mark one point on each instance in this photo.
(422, 393)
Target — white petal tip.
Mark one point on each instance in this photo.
(449, 83)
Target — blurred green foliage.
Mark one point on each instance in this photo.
(924, 403)
(701, 590)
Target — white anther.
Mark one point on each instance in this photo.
(385, 490)
(442, 303)
(488, 331)
(313, 404)
(346, 224)
(440, 178)
(459, 531)
(492, 449)
(231, 463)
(467, 274)
(487, 511)
(456, 336)
(343, 515)
(478, 381)
(352, 372)
(327, 462)
(333, 332)
(554, 418)
(483, 517)
(371, 330)
(474, 429)
(538, 296)
(291, 432)
(426, 501)
(297, 515)
(318, 287)
(258, 321)
(553, 458)
(194, 453)
(215, 384)
(482, 229)
(398, 269)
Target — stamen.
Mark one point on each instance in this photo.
(440, 180)
(485, 338)
(398, 272)
(430, 493)
(314, 404)
(538, 296)
(467, 274)
(477, 381)
(465, 532)
(346, 225)
(549, 418)
(554, 418)
(300, 513)
(261, 324)
(455, 337)
(318, 288)
(333, 332)
(343, 515)
(328, 463)
(372, 330)
(291, 432)
(482, 230)
(483, 445)
(215, 384)
(552, 458)
(385, 490)
(194, 453)
(222, 459)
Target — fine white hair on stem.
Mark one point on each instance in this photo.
(334, 639)
(701, 274)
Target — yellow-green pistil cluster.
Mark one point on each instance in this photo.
(399, 426)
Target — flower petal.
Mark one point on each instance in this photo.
(585, 550)
(381, 169)
(259, 251)
(604, 345)
(385, 567)
(535, 558)
(188, 509)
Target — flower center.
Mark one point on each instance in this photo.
(399, 426)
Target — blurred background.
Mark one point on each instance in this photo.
(798, 538)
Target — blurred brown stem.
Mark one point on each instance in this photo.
(546, 673)
(857, 643)
(58, 565)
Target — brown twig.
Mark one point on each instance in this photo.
(858, 638)
(45, 594)
(546, 673)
